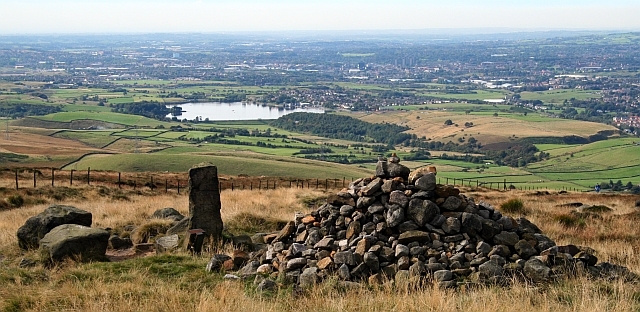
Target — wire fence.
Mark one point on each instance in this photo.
(178, 182)
(167, 182)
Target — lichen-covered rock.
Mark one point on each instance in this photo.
(167, 213)
(76, 242)
(36, 227)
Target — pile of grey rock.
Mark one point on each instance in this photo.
(401, 225)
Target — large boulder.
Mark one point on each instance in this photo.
(76, 242)
(167, 213)
(36, 227)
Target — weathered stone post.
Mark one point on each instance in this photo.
(204, 201)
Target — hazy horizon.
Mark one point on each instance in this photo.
(206, 16)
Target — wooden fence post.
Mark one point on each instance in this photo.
(34, 178)
(89, 175)
(53, 176)
(166, 185)
(119, 185)
(178, 187)
(71, 177)
(17, 179)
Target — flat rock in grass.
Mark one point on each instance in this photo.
(266, 285)
(76, 242)
(167, 213)
(413, 236)
(36, 227)
(117, 242)
(167, 243)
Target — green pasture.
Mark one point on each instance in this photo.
(117, 118)
(228, 165)
(140, 133)
(559, 96)
(91, 138)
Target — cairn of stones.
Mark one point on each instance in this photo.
(402, 225)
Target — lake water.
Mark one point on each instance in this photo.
(236, 111)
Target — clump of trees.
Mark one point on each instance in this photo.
(23, 110)
(147, 109)
(344, 127)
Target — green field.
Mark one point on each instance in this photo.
(559, 96)
(91, 138)
(117, 118)
(229, 165)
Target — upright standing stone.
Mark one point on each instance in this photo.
(204, 200)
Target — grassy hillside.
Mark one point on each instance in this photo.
(240, 163)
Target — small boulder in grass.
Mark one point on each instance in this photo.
(638, 203)
(76, 242)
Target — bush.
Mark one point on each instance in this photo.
(15, 200)
(570, 220)
(514, 205)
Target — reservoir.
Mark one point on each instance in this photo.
(236, 111)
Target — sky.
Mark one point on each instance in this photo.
(214, 16)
